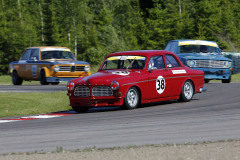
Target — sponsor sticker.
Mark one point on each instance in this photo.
(179, 71)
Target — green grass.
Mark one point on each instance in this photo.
(19, 104)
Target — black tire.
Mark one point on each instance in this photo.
(43, 80)
(227, 80)
(16, 80)
(187, 91)
(132, 98)
(54, 83)
(80, 109)
(206, 80)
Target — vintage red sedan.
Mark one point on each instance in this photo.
(131, 78)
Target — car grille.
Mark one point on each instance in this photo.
(209, 64)
(71, 68)
(102, 91)
(82, 91)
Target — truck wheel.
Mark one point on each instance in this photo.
(131, 99)
(43, 80)
(226, 80)
(206, 80)
(80, 109)
(16, 80)
(187, 91)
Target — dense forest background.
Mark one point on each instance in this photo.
(94, 28)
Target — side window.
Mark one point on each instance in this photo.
(35, 54)
(26, 54)
(171, 61)
(156, 62)
(172, 47)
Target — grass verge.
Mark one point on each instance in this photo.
(19, 104)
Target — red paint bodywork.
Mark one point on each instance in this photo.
(143, 79)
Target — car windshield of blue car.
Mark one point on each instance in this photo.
(124, 62)
(57, 54)
(198, 49)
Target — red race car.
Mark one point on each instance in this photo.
(131, 78)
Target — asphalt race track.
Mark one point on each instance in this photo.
(210, 116)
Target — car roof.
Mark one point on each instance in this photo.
(147, 53)
(195, 42)
(41, 47)
(179, 40)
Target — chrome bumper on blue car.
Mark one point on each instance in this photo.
(202, 90)
(212, 73)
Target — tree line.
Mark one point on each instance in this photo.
(94, 28)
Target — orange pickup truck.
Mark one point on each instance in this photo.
(47, 64)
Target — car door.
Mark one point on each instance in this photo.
(158, 79)
(33, 64)
(22, 63)
(176, 74)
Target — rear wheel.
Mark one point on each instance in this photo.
(80, 109)
(131, 99)
(16, 80)
(43, 80)
(187, 91)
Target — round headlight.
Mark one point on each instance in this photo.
(191, 63)
(227, 64)
(114, 85)
(86, 68)
(70, 85)
(56, 69)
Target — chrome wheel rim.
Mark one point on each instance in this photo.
(188, 90)
(132, 98)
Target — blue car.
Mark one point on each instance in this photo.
(203, 55)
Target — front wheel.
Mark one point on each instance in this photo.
(43, 80)
(226, 80)
(187, 91)
(80, 109)
(131, 99)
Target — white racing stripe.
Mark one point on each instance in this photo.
(43, 116)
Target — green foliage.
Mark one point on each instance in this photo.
(94, 28)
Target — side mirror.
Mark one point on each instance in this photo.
(149, 70)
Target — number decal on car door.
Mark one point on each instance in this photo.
(160, 84)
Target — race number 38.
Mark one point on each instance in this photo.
(160, 84)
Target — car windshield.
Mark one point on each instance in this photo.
(58, 54)
(198, 49)
(124, 62)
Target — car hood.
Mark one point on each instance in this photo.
(67, 61)
(106, 77)
(203, 56)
